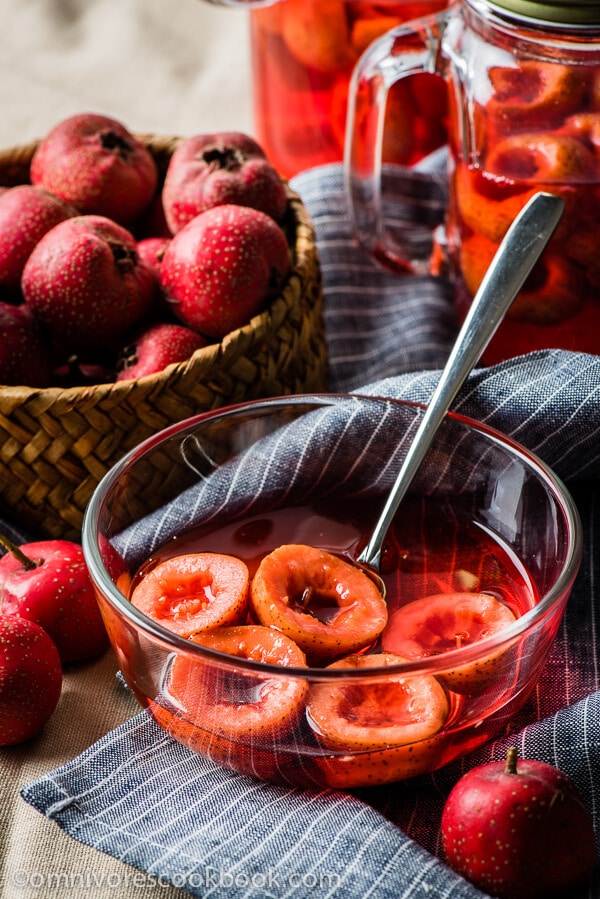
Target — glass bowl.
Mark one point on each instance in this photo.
(477, 567)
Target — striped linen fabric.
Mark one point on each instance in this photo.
(149, 801)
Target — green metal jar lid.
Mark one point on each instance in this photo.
(578, 12)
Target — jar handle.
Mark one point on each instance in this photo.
(408, 49)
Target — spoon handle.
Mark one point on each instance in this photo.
(517, 254)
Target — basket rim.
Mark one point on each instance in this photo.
(302, 248)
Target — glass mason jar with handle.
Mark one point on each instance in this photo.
(523, 83)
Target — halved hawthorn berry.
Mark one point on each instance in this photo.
(438, 624)
(318, 35)
(553, 292)
(385, 729)
(329, 607)
(533, 94)
(487, 204)
(585, 126)
(376, 713)
(488, 201)
(234, 703)
(541, 157)
(194, 592)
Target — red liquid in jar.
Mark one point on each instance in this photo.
(303, 54)
(538, 131)
(431, 549)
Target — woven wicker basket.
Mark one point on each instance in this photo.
(56, 444)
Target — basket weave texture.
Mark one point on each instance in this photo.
(56, 444)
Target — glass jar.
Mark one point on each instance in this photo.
(524, 116)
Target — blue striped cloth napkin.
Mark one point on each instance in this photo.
(145, 799)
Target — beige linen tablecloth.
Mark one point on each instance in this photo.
(162, 66)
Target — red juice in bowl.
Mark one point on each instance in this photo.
(303, 55)
(433, 550)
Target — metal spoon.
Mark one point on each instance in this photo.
(514, 259)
